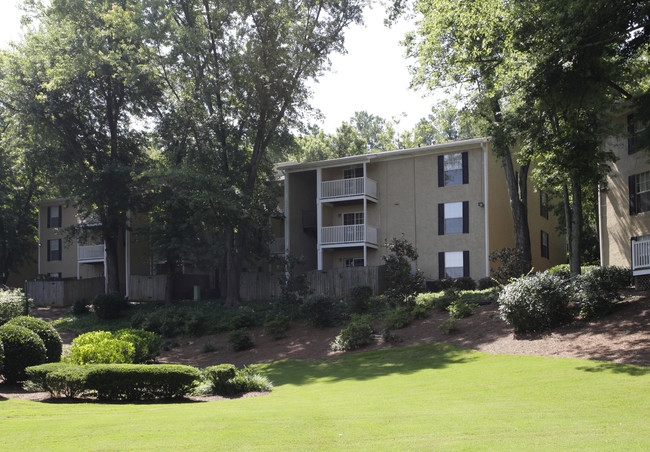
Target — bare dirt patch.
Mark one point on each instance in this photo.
(622, 337)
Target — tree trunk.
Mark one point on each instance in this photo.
(233, 268)
(567, 214)
(112, 266)
(517, 183)
(170, 281)
(576, 226)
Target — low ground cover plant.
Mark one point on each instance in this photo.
(240, 340)
(458, 309)
(356, 334)
(398, 318)
(227, 380)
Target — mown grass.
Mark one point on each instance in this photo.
(423, 397)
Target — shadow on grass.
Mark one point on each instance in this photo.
(369, 365)
(635, 371)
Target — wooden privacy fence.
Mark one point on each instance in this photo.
(334, 282)
(64, 292)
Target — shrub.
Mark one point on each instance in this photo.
(358, 299)
(101, 347)
(459, 309)
(59, 379)
(12, 304)
(510, 264)
(597, 291)
(109, 306)
(80, 307)
(208, 347)
(240, 340)
(398, 318)
(402, 281)
(320, 311)
(419, 312)
(486, 283)
(47, 333)
(448, 325)
(277, 326)
(146, 344)
(22, 348)
(226, 380)
(356, 334)
(245, 318)
(141, 381)
(535, 302)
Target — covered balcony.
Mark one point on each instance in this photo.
(91, 253)
(641, 255)
(333, 190)
(353, 235)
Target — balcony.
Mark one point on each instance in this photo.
(277, 246)
(355, 235)
(641, 255)
(346, 188)
(92, 253)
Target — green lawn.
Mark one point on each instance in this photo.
(422, 397)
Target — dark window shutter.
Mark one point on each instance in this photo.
(49, 215)
(465, 217)
(441, 171)
(49, 252)
(60, 252)
(632, 185)
(441, 265)
(466, 264)
(441, 219)
(630, 132)
(465, 168)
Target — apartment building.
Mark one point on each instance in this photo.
(450, 200)
(624, 202)
(83, 258)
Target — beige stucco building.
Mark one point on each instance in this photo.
(624, 203)
(450, 200)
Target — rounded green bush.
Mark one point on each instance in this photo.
(147, 344)
(109, 306)
(356, 334)
(45, 331)
(101, 347)
(320, 311)
(240, 340)
(22, 348)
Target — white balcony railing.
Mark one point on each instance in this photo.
(91, 253)
(348, 187)
(641, 253)
(358, 233)
(277, 245)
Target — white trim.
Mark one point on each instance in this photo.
(127, 253)
(40, 245)
(641, 272)
(287, 217)
(319, 217)
(485, 208)
(600, 229)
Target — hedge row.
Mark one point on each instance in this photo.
(115, 381)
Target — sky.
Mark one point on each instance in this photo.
(372, 76)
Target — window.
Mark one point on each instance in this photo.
(453, 169)
(543, 204)
(54, 217)
(54, 275)
(54, 250)
(634, 132)
(453, 218)
(453, 264)
(354, 262)
(545, 250)
(352, 173)
(639, 186)
(352, 218)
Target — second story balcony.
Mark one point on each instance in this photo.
(92, 253)
(641, 255)
(332, 190)
(353, 235)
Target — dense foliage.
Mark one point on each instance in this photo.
(357, 333)
(402, 282)
(227, 380)
(22, 348)
(47, 333)
(109, 306)
(12, 304)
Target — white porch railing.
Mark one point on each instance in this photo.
(91, 253)
(641, 253)
(277, 245)
(357, 233)
(348, 187)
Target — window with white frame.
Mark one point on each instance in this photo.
(453, 169)
(640, 193)
(351, 173)
(352, 218)
(354, 262)
(454, 264)
(54, 250)
(54, 217)
(453, 217)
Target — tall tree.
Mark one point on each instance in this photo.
(237, 74)
(82, 77)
